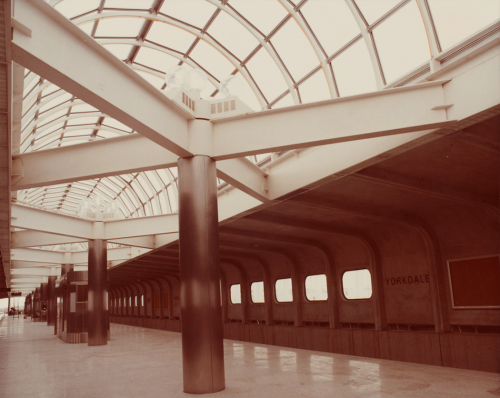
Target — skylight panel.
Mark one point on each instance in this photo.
(232, 35)
(332, 23)
(353, 70)
(52, 117)
(457, 20)
(295, 50)
(265, 15)
(287, 100)
(315, 88)
(131, 4)
(170, 36)
(82, 121)
(155, 59)
(119, 27)
(73, 8)
(120, 51)
(194, 12)
(267, 75)
(373, 10)
(212, 60)
(402, 42)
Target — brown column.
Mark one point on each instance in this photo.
(98, 316)
(51, 314)
(201, 312)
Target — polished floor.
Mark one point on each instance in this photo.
(140, 362)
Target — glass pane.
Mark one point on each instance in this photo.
(353, 70)
(266, 74)
(119, 27)
(315, 88)
(263, 14)
(316, 288)
(235, 294)
(357, 284)
(72, 8)
(284, 292)
(170, 36)
(257, 289)
(194, 12)
(373, 10)
(212, 60)
(120, 51)
(332, 23)
(232, 35)
(135, 4)
(456, 20)
(295, 50)
(402, 42)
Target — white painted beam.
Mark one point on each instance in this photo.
(96, 159)
(39, 256)
(241, 173)
(39, 220)
(122, 155)
(36, 238)
(35, 271)
(378, 114)
(132, 227)
(93, 74)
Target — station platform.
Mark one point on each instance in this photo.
(140, 362)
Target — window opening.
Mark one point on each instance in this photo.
(316, 288)
(257, 290)
(284, 292)
(235, 291)
(357, 284)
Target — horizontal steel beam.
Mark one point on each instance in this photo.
(377, 114)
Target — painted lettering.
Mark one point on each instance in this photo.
(408, 280)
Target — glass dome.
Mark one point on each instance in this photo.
(284, 52)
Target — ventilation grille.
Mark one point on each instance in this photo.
(415, 76)
(471, 44)
(187, 101)
(221, 107)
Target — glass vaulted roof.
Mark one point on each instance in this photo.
(286, 52)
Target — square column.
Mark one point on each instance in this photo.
(201, 311)
(98, 317)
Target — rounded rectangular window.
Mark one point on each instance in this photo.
(357, 284)
(142, 300)
(257, 289)
(284, 292)
(316, 288)
(235, 294)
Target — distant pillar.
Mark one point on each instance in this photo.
(8, 306)
(98, 315)
(44, 295)
(51, 315)
(201, 312)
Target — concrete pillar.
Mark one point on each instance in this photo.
(201, 312)
(51, 315)
(98, 315)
